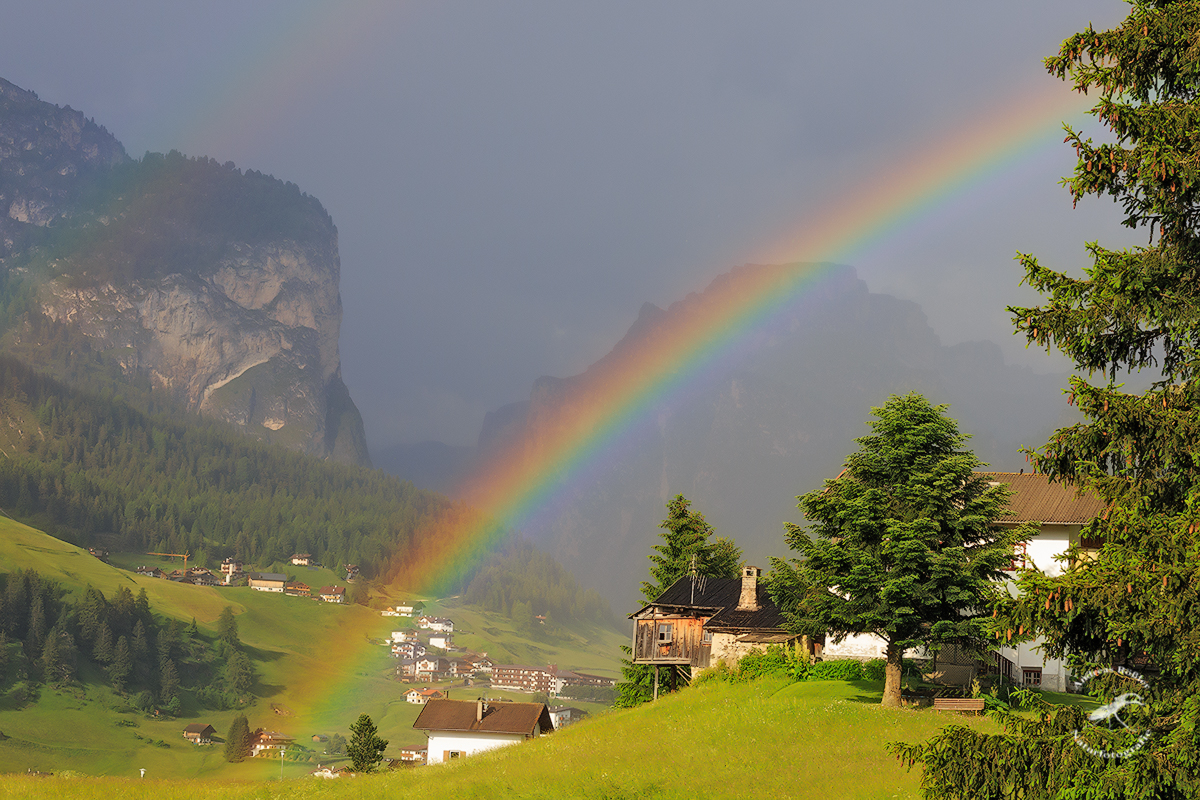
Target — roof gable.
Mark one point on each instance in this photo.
(498, 717)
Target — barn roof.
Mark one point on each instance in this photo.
(498, 717)
(1036, 499)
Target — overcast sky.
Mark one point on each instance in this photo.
(511, 181)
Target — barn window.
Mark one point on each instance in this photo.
(664, 634)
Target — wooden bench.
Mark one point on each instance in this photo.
(958, 704)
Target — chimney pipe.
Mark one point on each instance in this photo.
(748, 601)
(480, 707)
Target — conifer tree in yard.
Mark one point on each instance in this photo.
(1135, 602)
(237, 741)
(365, 748)
(905, 547)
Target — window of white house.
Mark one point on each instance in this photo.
(706, 637)
(1031, 676)
(1020, 557)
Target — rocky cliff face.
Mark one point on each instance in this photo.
(219, 286)
(772, 424)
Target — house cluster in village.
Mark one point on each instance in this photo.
(699, 621)
(233, 573)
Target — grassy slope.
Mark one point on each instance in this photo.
(313, 659)
(765, 739)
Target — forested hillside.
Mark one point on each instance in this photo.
(522, 583)
(91, 469)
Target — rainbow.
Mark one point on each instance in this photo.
(618, 397)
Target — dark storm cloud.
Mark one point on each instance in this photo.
(512, 181)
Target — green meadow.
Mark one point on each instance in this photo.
(762, 739)
(319, 666)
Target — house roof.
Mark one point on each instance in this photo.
(199, 727)
(1036, 499)
(267, 576)
(502, 717)
(720, 596)
(333, 590)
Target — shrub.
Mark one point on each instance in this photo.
(874, 669)
(842, 669)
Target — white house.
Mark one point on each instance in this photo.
(459, 728)
(439, 624)
(442, 641)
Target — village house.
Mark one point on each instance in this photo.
(413, 755)
(562, 716)
(408, 650)
(204, 578)
(439, 624)
(422, 696)
(231, 569)
(699, 621)
(480, 663)
(406, 669)
(442, 641)
(404, 636)
(262, 741)
(301, 560)
(460, 728)
(351, 573)
(297, 589)
(431, 669)
(567, 679)
(99, 552)
(199, 733)
(149, 572)
(267, 581)
(333, 594)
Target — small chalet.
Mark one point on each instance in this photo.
(333, 594)
(231, 569)
(459, 728)
(149, 572)
(99, 552)
(422, 696)
(301, 559)
(297, 589)
(267, 581)
(698, 621)
(442, 641)
(439, 624)
(413, 755)
(262, 741)
(199, 733)
(351, 573)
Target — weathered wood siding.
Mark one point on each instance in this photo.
(686, 645)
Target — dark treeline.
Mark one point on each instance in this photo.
(522, 582)
(46, 638)
(95, 471)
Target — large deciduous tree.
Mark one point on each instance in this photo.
(1134, 603)
(906, 544)
(687, 546)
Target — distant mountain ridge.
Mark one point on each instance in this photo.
(219, 287)
(744, 442)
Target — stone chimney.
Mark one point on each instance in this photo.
(480, 708)
(749, 598)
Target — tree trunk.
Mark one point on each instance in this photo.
(891, 680)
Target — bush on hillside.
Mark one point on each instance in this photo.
(873, 670)
(840, 669)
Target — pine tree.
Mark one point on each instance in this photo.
(906, 544)
(227, 627)
(237, 740)
(365, 748)
(121, 666)
(239, 673)
(685, 547)
(1130, 605)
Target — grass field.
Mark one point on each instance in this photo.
(317, 671)
(765, 739)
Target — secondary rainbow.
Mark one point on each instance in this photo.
(516, 487)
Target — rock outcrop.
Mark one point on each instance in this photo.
(220, 287)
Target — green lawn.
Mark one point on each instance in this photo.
(765, 739)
